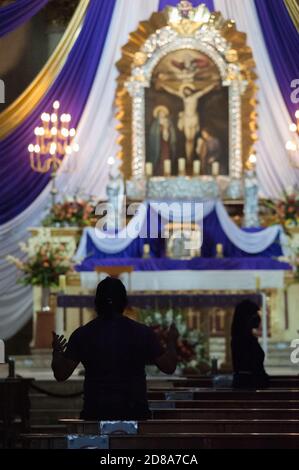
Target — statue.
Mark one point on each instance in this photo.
(251, 203)
(115, 191)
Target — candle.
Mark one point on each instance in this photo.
(2, 352)
(219, 250)
(149, 169)
(196, 168)
(215, 168)
(167, 167)
(146, 250)
(182, 166)
(62, 282)
(257, 282)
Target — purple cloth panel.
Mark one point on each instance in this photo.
(17, 13)
(164, 300)
(197, 264)
(20, 185)
(282, 40)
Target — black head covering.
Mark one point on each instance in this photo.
(245, 319)
(111, 297)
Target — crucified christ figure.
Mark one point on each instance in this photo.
(189, 121)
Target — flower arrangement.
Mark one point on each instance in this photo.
(285, 211)
(44, 263)
(190, 344)
(296, 264)
(72, 212)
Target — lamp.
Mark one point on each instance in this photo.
(54, 140)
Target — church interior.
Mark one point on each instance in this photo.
(155, 142)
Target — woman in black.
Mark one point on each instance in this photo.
(247, 354)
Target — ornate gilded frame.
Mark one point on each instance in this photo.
(185, 27)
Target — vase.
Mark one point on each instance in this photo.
(45, 299)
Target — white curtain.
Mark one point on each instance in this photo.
(273, 168)
(251, 243)
(97, 135)
(97, 139)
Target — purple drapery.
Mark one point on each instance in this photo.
(165, 3)
(213, 234)
(282, 40)
(18, 12)
(20, 185)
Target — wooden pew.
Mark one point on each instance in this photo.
(192, 426)
(176, 441)
(227, 394)
(226, 404)
(207, 382)
(222, 413)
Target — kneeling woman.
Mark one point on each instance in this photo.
(247, 354)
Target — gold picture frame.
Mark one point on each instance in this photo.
(186, 28)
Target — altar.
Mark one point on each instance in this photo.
(187, 123)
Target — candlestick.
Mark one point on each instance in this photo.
(62, 282)
(215, 168)
(149, 169)
(182, 166)
(196, 168)
(167, 167)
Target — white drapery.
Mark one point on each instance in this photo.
(274, 170)
(97, 139)
(251, 243)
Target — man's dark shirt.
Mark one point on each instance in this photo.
(114, 351)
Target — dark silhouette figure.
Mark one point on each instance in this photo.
(114, 351)
(247, 354)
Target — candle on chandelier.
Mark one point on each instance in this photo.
(149, 169)
(182, 166)
(196, 168)
(167, 167)
(31, 152)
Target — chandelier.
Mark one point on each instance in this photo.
(54, 142)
